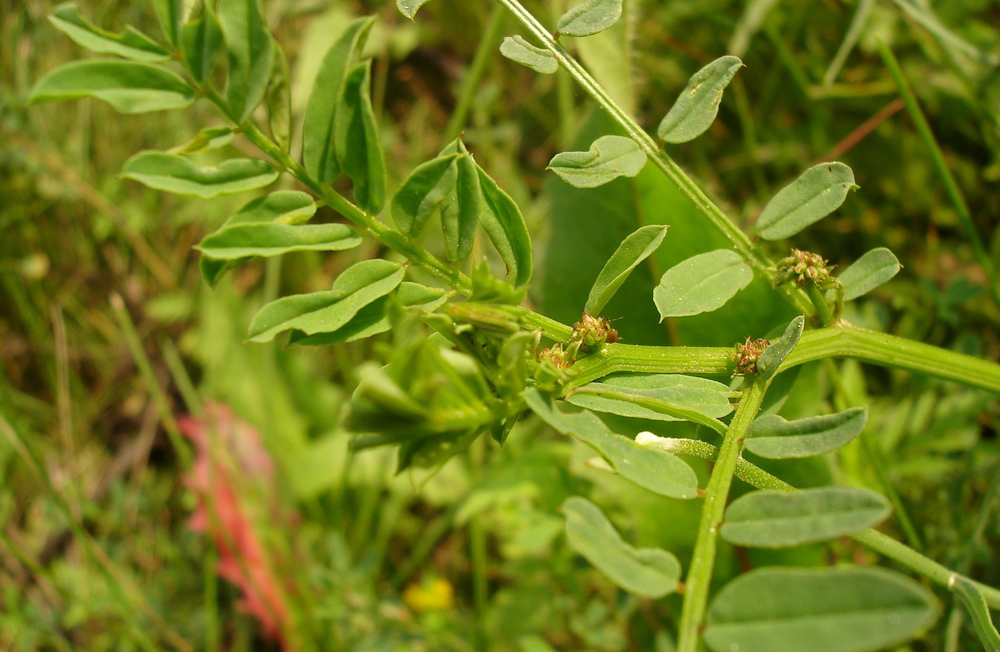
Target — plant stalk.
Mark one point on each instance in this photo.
(699, 577)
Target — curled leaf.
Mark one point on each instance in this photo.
(357, 143)
(131, 44)
(251, 54)
(777, 351)
(520, 51)
(609, 157)
(504, 225)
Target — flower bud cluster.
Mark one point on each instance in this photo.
(803, 267)
(747, 354)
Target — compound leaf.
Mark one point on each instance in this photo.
(649, 572)
(128, 86)
(775, 438)
(251, 54)
(460, 210)
(356, 139)
(177, 174)
(698, 104)
(634, 249)
(819, 191)
(324, 312)
(589, 17)
(845, 609)
(868, 272)
(779, 519)
(702, 283)
(169, 14)
(609, 157)
(520, 51)
(131, 44)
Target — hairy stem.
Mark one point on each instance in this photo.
(872, 539)
(699, 576)
(737, 239)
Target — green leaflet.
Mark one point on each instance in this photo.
(356, 140)
(520, 51)
(127, 86)
(702, 283)
(409, 7)
(662, 397)
(422, 193)
(660, 472)
(773, 437)
(819, 191)
(778, 519)
(775, 354)
(504, 224)
(319, 155)
(251, 54)
(323, 312)
(169, 14)
(649, 572)
(177, 174)
(698, 104)
(131, 44)
(589, 17)
(282, 207)
(279, 102)
(844, 609)
(206, 140)
(978, 610)
(268, 239)
(374, 318)
(609, 157)
(634, 249)
(460, 210)
(868, 272)
(201, 43)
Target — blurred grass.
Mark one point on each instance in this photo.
(105, 558)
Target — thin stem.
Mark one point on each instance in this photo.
(737, 239)
(474, 75)
(954, 193)
(823, 311)
(872, 539)
(699, 577)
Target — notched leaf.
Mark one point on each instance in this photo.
(609, 157)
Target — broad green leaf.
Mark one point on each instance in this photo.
(844, 609)
(282, 207)
(698, 104)
(658, 471)
(206, 140)
(325, 312)
(504, 224)
(609, 157)
(409, 7)
(422, 193)
(279, 102)
(779, 519)
(702, 283)
(374, 318)
(634, 249)
(662, 397)
(775, 438)
(819, 191)
(978, 610)
(251, 54)
(170, 13)
(319, 153)
(589, 17)
(520, 51)
(128, 86)
(868, 272)
(177, 174)
(775, 354)
(131, 44)
(269, 239)
(649, 572)
(201, 42)
(357, 143)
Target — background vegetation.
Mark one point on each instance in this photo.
(108, 337)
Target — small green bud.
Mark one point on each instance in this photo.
(804, 267)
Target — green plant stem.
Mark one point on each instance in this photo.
(823, 311)
(699, 577)
(872, 539)
(488, 43)
(954, 193)
(737, 239)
